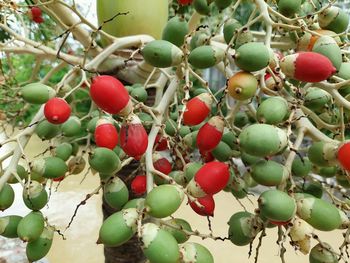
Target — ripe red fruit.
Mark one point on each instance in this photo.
(208, 204)
(57, 110)
(209, 135)
(162, 165)
(197, 109)
(35, 11)
(185, 2)
(212, 177)
(307, 67)
(207, 156)
(106, 135)
(110, 94)
(133, 138)
(161, 143)
(277, 223)
(344, 156)
(138, 185)
(59, 179)
(38, 19)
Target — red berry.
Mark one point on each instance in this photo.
(133, 138)
(344, 156)
(162, 165)
(161, 143)
(209, 135)
(207, 156)
(277, 223)
(109, 94)
(57, 110)
(212, 177)
(307, 67)
(197, 109)
(138, 185)
(38, 19)
(106, 135)
(59, 179)
(35, 11)
(208, 204)
(185, 2)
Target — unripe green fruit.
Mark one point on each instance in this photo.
(177, 225)
(248, 179)
(184, 130)
(252, 56)
(141, 18)
(170, 127)
(116, 193)
(273, 110)
(118, 228)
(7, 196)
(238, 187)
(71, 127)
(190, 170)
(199, 39)
(159, 246)
(35, 196)
(195, 253)
(313, 188)
(230, 28)
(333, 18)
(206, 56)
(344, 73)
(146, 120)
(179, 177)
(21, 172)
(222, 4)
(50, 167)
(289, 7)
(91, 126)
(162, 54)
(8, 226)
(323, 153)
(319, 213)
(316, 99)
(46, 130)
(76, 165)
(138, 203)
(327, 46)
(222, 152)
(230, 138)
(322, 254)
(249, 159)
(243, 227)
(277, 206)
(31, 226)
(64, 151)
(163, 200)
(301, 168)
(104, 160)
(140, 94)
(269, 173)
(262, 140)
(202, 6)
(175, 31)
(190, 140)
(241, 119)
(39, 248)
(328, 172)
(37, 93)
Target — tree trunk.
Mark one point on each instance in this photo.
(131, 251)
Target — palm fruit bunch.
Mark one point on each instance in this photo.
(274, 123)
